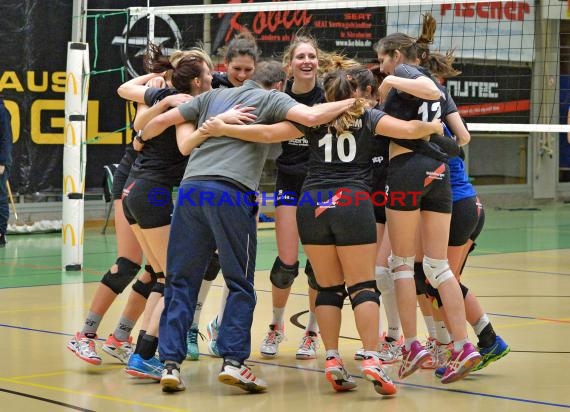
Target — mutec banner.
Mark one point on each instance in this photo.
(496, 30)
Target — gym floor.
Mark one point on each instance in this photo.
(520, 271)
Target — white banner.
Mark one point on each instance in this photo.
(497, 30)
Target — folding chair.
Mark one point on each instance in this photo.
(109, 172)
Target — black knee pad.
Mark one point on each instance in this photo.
(311, 279)
(142, 288)
(464, 290)
(359, 293)
(282, 276)
(434, 293)
(331, 296)
(420, 279)
(126, 272)
(213, 268)
(158, 288)
(160, 275)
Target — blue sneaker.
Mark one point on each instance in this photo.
(439, 372)
(146, 369)
(492, 353)
(192, 351)
(212, 329)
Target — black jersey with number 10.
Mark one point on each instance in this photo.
(338, 160)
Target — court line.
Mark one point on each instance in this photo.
(92, 395)
(39, 398)
(541, 272)
(16, 381)
(460, 391)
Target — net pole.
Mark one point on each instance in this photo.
(74, 155)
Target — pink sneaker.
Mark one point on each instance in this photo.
(412, 359)
(461, 363)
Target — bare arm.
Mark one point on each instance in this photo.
(134, 89)
(161, 122)
(189, 138)
(260, 133)
(422, 87)
(402, 129)
(458, 128)
(318, 114)
(150, 113)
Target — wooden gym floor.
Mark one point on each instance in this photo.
(520, 271)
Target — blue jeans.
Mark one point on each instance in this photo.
(4, 209)
(226, 221)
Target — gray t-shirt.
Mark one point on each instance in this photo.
(227, 157)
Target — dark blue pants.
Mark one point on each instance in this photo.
(4, 208)
(210, 214)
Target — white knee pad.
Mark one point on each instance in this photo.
(397, 261)
(437, 271)
(384, 280)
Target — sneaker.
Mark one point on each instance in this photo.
(212, 330)
(461, 363)
(439, 372)
(440, 355)
(412, 359)
(84, 348)
(492, 353)
(118, 349)
(192, 350)
(390, 351)
(337, 375)
(373, 372)
(359, 354)
(308, 347)
(170, 379)
(270, 346)
(242, 377)
(2, 239)
(144, 368)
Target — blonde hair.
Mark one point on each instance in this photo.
(339, 85)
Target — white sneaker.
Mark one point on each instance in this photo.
(171, 380)
(390, 352)
(308, 347)
(242, 377)
(270, 346)
(84, 348)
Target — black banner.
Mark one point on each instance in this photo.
(492, 94)
(32, 70)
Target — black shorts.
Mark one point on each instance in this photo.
(288, 188)
(379, 185)
(350, 221)
(465, 221)
(147, 203)
(119, 180)
(417, 182)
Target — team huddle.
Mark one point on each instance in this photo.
(347, 133)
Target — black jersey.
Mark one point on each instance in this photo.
(404, 106)
(161, 160)
(220, 80)
(342, 160)
(127, 160)
(380, 152)
(294, 158)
